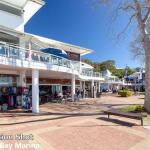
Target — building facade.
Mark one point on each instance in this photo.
(111, 83)
(136, 81)
(35, 66)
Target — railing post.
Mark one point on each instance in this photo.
(30, 53)
(73, 82)
(7, 51)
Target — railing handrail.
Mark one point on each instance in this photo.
(91, 74)
(69, 63)
(35, 51)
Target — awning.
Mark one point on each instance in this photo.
(46, 43)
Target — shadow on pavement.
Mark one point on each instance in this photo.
(61, 116)
(47, 114)
(38, 120)
(119, 122)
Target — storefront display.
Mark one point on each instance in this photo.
(11, 96)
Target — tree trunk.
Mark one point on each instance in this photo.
(147, 76)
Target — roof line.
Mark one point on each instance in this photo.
(66, 44)
(7, 3)
(41, 2)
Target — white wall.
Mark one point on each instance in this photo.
(11, 21)
(29, 10)
(18, 22)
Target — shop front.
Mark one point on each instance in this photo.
(50, 88)
(11, 94)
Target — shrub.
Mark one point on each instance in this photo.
(133, 108)
(125, 93)
(140, 108)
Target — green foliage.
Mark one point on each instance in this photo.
(110, 65)
(124, 93)
(133, 108)
(140, 108)
(119, 73)
(88, 61)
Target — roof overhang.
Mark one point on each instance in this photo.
(11, 31)
(20, 3)
(19, 7)
(45, 42)
(86, 66)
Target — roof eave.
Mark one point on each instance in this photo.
(41, 2)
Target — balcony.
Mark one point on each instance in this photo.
(113, 81)
(17, 53)
(91, 74)
(39, 60)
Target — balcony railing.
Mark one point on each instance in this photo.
(16, 52)
(114, 81)
(91, 74)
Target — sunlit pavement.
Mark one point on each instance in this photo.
(64, 127)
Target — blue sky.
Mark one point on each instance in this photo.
(78, 22)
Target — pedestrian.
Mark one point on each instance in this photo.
(78, 94)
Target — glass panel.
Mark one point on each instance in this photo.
(13, 52)
(2, 50)
(56, 89)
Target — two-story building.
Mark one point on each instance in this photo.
(34, 64)
(111, 82)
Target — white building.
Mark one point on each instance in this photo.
(111, 82)
(135, 80)
(26, 60)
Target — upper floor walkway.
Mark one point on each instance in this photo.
(12, 55)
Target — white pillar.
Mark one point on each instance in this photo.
(99, 86)
(22, 83)
(35, 91)
(30, 53)
(81, 87)
(22, 45)
(22, 79)
(96, 86)
(92, 91)
(73, 86)
(84, 89)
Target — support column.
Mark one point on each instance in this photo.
(73, 86)
(81, 87)
(84, 89)
(22, 84)
(92, 88)
(22, 79)
(96, 87)
(35, 91)
(99, 86)
(23, 45)
(30, 53)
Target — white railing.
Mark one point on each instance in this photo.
(114, 81)
(15, 52)
(76, 65)
(91, 74)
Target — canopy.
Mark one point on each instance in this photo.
(57, 52)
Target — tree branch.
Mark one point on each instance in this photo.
(147, 15)
(127, 7)
(126, 27)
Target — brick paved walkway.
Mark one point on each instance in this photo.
(57, 131)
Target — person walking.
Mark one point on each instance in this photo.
(78, 94)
